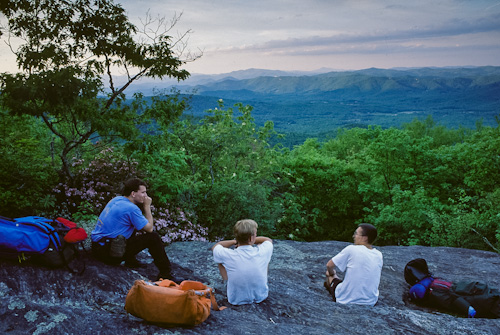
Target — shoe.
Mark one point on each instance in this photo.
(165, 276)
(118, 246)
(134, 263)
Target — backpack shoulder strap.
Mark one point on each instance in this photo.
(215, 306)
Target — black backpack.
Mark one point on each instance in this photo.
(416, 270)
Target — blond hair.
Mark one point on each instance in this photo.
(244, 229)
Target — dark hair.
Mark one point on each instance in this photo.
(370, 231)
(132, 185)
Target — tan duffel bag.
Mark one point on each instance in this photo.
(165, 302)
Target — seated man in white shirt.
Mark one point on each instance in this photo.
(362, 265)
(245, 266)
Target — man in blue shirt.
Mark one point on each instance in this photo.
(114, 238)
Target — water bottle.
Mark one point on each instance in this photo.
(472, 312)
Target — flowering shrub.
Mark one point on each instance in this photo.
(98, 181)
(95, 183)
(175, 225)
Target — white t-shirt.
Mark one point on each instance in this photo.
(246, 268)
(362, 268)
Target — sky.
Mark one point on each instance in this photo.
(306, 35)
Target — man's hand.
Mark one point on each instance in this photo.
(226, 243)
(262, 239)
(330, 268)
(147, 213)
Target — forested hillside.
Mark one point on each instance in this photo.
(420, 184)
(316, 105)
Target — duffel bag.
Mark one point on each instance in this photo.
(171, 304)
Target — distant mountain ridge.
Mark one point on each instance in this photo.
(319, 102)
(195, 79)
(372, 79)
(369, 80)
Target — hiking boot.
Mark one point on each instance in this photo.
(118, 246)
(133, 263)
(169, 276)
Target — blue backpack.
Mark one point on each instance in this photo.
(27, 235)
(38, 238)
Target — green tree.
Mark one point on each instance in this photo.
(325, 180)
(27, 167)
(232, 169)
(66, 49)
(469, 223)
(387, 157)
(157, 149)
(408, 219)
(479, 157)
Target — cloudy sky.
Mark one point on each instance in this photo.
(338, 34)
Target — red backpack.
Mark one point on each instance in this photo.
(74, 234)
(440, 284)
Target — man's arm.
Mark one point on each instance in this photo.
(262, 239)
(147, 213)
(225, 244)
(330, 268)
